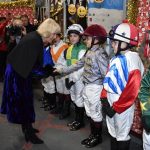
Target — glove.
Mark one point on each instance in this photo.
(106, 108)
(48, 70)
(56, 73)
(146, 123)
(68, 84)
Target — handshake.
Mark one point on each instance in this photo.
(45, 72)
(51, 71)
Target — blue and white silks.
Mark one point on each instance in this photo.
(117, 77)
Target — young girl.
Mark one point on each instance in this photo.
(121, 85)
(95, 63)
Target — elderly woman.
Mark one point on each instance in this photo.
(17, 101)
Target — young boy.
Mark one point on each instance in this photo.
(56, 85)
(121, 85)
(74, 81)
(95, 63)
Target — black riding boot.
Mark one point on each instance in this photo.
(76, 117)
(79, 119)
(85, 141)
(65, 111)
(124, 145)
(45, 101)
(113, 143)
(52, 101)
(96, 135)
(59, 104)
(30, 136)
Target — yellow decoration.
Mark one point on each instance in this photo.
(18, 3)
(143, 105)
(98, 1)
(72, 9)
(132, 10)
(81, 11)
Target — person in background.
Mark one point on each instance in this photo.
(144, 94)
(94, 63)
(121, 85)
(35, 23)
(17, 100)
(3, 46)
(14, 33)
(9, 18)
(26, 23)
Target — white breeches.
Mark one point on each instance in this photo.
(49, 85)
(146, 141)
(92, 104)
(76, 93)
(120, 124)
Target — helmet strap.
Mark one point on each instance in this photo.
(92, 43)
(122, 49)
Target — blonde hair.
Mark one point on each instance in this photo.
(48, 27)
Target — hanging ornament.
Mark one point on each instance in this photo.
(72, 9)
(81, 11)
(98, 1)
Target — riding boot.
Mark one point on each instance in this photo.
(124, 145)
(45, 101)
(76, 116)
(65, 112)
(43, 95)
(97, 135)
(113, 143)
(59, 104)
(79, 120)
(52, 101)
(85, 141)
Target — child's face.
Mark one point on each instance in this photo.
(88, 41)
(74, 38)
(114, 45)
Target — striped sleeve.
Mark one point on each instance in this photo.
(130, 92)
